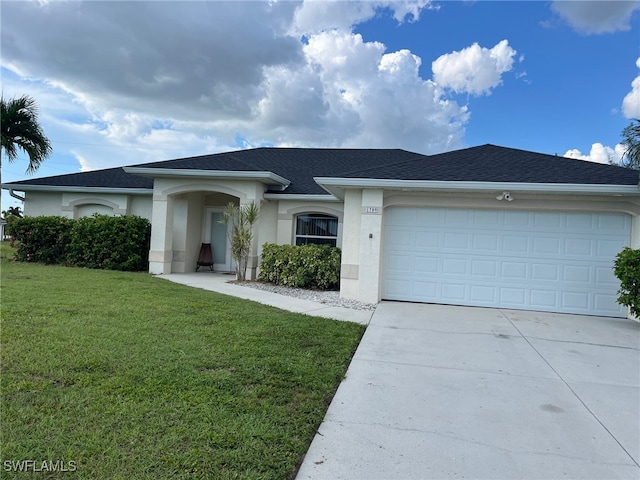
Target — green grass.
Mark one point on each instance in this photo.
(134, 377)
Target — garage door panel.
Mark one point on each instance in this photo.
(423, 290)
(608, 223)
(578, 274)
(575, 300)
(512, 297)
(483, 294)
(453, 292)
(585, 222)
(486, 243)
(455, 266)
(426, 240)
(547, 247)
(545, 272)
(515, 244)
(606, 248)
(426, 265)
(579, 247)
(484, 268)
(484, 262)
(547, 220)
(456, 241)
(605, 276)
(516, 220)
(514, 270)
(543, 299)
(457, 218)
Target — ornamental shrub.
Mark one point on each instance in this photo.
(101, 241)
(40, 239)
(110, 243)
(627, 268)
(303, 266)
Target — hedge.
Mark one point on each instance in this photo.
(40, 239)
(304, 266)
(101, 241)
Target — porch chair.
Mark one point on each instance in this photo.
(205, 259)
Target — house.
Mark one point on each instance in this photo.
(484, 226)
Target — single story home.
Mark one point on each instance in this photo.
(484, 226)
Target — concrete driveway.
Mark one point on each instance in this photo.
(445, 392)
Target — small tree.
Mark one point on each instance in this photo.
(627, 268)
(240, 220)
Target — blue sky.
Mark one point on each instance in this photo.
(128, 82)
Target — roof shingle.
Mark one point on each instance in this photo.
(485, 163)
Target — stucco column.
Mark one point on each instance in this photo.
(350, 263)
(370, 245)
(161, 250)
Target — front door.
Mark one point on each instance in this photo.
(216, 234)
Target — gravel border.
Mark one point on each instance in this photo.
(330, 298)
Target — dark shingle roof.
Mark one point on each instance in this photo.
(298, 165)
(109, 178)
(490, 163)
(486, 163)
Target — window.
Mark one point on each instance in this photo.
(316, 228)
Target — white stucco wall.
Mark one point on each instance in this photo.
(43, 203)
(141, 206)
(79, 204)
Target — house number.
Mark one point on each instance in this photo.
(371, 210)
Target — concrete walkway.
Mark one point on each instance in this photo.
(444, 392)
(219, 282)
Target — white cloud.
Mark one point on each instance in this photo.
(599, 154)
(131, 82)
(348, 96)
(631, 101)
(474, 70)
(596, 16)
(316, 16)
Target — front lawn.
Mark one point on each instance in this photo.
(131, 377)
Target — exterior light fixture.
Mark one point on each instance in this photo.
(505, 196)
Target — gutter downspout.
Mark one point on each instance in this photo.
(15, 195)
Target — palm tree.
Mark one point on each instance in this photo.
(21, 130)
(631, 140)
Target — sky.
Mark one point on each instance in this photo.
(127, 82)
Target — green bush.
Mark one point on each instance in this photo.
(101, 241)
(627, 268)
(110, 243)
(40, 239)
(304, 266)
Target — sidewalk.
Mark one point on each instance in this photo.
(218, 282)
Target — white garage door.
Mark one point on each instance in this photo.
(548, 261)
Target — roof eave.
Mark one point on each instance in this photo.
(265, 177)
(336, 186)
(75, 189)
